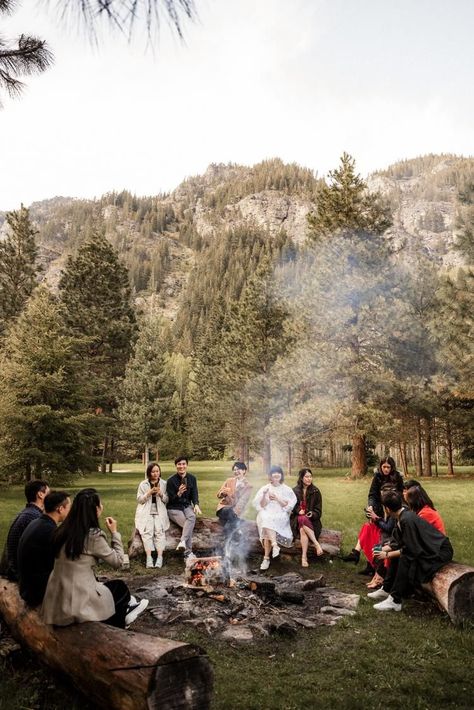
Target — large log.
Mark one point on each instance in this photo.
(453, 588)
(116, 669)
(207, 537)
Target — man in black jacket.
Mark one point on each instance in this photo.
(35, 493)
(35, 559)
(183, 502)
(417, 549)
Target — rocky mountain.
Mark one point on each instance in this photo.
(161, 238)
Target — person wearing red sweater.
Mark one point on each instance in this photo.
(420, 503)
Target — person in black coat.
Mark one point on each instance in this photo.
(35, 558)
(417, 551)
(386, 476)
(306, 516)
(183, 502)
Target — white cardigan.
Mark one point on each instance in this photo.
(143, 511)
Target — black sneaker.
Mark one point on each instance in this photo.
(353, 556)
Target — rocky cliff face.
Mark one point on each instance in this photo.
(271, 196)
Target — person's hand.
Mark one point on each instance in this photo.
(197, 510)
(272, 496)
(183, 487)
(301, 512)
(371, 514)
(111, 524)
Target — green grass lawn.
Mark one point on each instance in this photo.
(371, 660)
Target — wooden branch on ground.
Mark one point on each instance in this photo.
(453, 588)
(207, 536)
(117, 669)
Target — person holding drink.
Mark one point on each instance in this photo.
(274, 503)
(183, 503)
(151, 516)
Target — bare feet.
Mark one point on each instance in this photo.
(319, 550)
(304, 562)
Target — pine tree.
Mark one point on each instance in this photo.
(45, 426)
(256, 335)
(346, 205)
(18, 268)
(349, 297)
(95, 292)
(145, 393)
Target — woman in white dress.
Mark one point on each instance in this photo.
(151, 517)
(274, 503)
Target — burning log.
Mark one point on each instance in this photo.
(207, 536)
(117, 669)
(207, 571)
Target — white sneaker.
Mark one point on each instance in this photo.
(149, 562)
(159, 562)
(135, 611)
(275, 551)
(265, 563)
(379, 594)
(388, 605)
(181, 545)
(133, 601)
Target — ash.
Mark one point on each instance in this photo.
(246, 608)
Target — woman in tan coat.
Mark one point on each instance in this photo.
(73, 594)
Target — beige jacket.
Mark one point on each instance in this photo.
(143, 511)
(73, 594)
(237, 498)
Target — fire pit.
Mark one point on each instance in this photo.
(208, 571)
(240, 607)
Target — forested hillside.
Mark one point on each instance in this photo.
(275, 335)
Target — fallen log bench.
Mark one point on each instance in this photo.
(116, 669)
(208, 536)
(452, 587)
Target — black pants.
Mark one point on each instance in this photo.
(402, 573)
(229, 520)
(121, 595)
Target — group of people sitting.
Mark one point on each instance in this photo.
(52, 548)
(404, 540)
(53, 545)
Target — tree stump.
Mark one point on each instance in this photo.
(117, 669)
(453, 588)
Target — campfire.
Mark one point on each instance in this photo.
(208, 571)
(243, 607)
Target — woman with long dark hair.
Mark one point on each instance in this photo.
(73, 594)
(420, 503)
(370, 533)
(306, 516)
(151, 516)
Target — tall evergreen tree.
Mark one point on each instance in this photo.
(18, 267)
(144, 398)
(95, 293)
(256, 335)
(349, 290)
(345, 204)
(45, 424)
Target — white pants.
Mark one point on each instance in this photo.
(153, 537)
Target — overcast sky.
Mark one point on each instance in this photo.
(300, 79)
